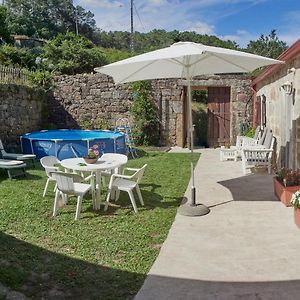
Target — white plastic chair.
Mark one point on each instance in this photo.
(71, 184)
(49, 164)
(127, 184)
(260, 155)
(121, 158)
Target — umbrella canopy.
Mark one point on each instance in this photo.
(185, 60)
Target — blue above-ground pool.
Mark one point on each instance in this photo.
(65, 143)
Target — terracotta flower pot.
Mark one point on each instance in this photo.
(91, 160)
(284, 194)
(297, 216)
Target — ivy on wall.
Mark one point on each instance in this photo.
(145, 114)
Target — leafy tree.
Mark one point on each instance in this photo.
(4, 31)
(72, 54)
(269, 46)
(47, 18)
(17, 57)
(114, 55)
(155, 39)
(144, 113)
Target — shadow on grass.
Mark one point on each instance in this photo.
(42, 274)
(151, 199)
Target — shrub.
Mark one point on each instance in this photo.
(144, 110)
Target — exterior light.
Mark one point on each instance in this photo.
(287, 87)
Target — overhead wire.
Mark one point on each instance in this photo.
(136, 11)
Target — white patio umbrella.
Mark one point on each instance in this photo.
(185, 60)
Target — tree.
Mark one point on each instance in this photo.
(72, 54)
(17, 57)
(47, 18)
(269, 46)
(4, 31)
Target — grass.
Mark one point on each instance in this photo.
(104, 255)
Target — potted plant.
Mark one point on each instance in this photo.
(295, 202)
(286, 182)
(93, 155)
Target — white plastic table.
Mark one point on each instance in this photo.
(109, 161)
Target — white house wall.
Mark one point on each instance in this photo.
(283, 112)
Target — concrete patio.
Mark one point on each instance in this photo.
(247, 247)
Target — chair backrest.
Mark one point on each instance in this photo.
(2, 150)
(261, 139)
(65, 181)
(268, 140)
(49, 164)
(139, 174)
(257, 131)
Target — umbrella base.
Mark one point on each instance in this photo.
(193, 210)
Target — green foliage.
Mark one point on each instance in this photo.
(200, 119)
(66, 256)
(155, 39)
(200, 96)
(47, 18)
(114, 55)
(144, 113)
(17, 57)
(4, 31)
(250, 132)
(41, 78)
(269, 46)
(72, 54)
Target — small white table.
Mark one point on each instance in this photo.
(109, 161)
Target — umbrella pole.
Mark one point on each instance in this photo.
(192, 209)
(191, 129)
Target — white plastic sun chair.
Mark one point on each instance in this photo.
(50, 164)
(261, 155)
(71, 184)
(127, 184)
(8, 165)
(16, 156)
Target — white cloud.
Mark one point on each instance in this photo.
(241, 37)
(202, 28)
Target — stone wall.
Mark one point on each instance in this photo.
(94, 101)
(22, 109)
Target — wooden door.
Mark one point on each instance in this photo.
(218, 116)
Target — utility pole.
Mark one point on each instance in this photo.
(131, 27)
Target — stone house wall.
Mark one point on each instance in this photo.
(282, 109)
(22, 109)
(93, 100)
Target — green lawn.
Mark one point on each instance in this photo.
(104, 255)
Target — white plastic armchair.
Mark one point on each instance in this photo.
(127, 184)
(49, 163)
(259, 156)
(71, 184)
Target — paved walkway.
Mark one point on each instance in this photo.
(247, 247)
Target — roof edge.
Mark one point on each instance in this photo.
(285, 56)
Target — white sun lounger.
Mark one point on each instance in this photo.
(9, 165)
(16, 156)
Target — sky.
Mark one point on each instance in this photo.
(237, 20)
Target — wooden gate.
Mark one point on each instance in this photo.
(218, 116)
